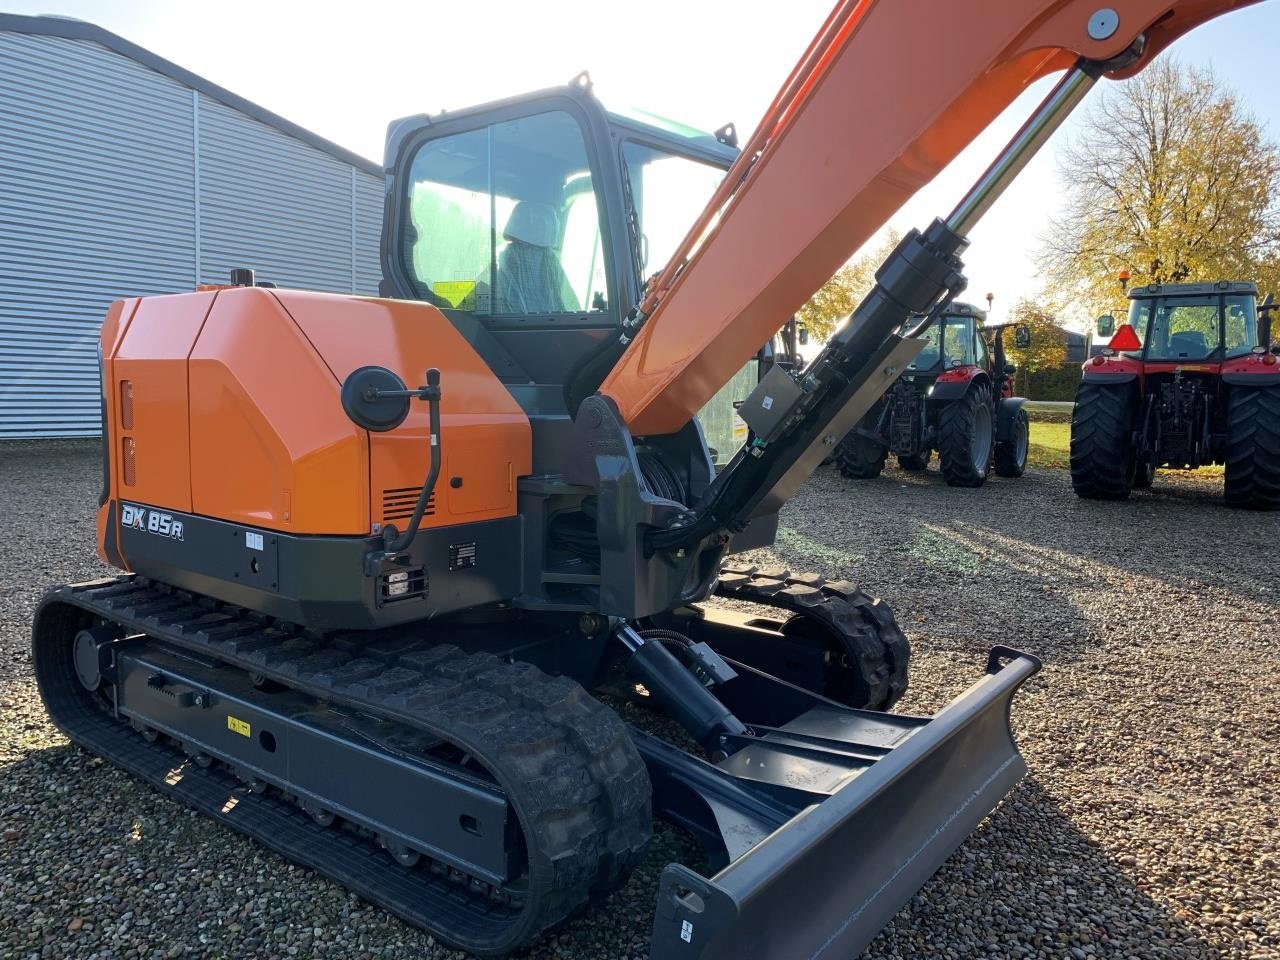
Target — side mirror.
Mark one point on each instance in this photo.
(802, 334)
(1022, 336)
(1106, 325)
(1010, 369)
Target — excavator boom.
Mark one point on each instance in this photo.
(886, 95)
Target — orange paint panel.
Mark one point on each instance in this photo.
(270, 445)
(152, 353)
(485, 434)
(114, 326)
(481, 490)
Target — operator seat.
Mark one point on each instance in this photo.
(531, 279)
(1191, 344)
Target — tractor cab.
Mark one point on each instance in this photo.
(955, 341)
(1190, 323)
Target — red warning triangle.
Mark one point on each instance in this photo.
(1126, 339)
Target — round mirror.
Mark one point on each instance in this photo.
(364, 403)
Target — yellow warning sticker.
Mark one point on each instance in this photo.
(237, 726)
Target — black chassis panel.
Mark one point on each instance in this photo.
(321, 581)
(603, 458)
(282, 739)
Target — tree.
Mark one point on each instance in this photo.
(838, 297)
(1170, 179)
(1048, 350)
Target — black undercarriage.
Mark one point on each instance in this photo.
(466, 763)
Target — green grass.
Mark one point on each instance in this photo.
(1050, 445)
(1051, 448)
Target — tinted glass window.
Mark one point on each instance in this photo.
(1139, 319)
(929, 356)
(1185, 328)
(668, 193)
(957, 341)
(1240, 327)
(504, 220)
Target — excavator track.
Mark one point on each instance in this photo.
(872, 655)
(566, 764)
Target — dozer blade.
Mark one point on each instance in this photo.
(824, 883)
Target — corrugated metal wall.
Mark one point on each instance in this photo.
(99, 166)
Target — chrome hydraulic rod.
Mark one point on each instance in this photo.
(1053, 110)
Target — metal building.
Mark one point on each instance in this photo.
(122, 174)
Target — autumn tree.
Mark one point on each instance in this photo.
(1048, 349)
(838, 297)
(1171, 179)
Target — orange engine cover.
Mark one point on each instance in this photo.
(226, 404)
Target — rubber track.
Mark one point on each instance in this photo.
(863, 626)
(1101, 461)
(1253, 448)
(565, 760)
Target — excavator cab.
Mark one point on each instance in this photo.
(533, 223)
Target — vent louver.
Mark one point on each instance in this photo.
(398, 503)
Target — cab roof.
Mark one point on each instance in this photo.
(1238, 287)
(961, 309)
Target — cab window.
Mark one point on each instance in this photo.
(1239, 326)
(980, 346)
(1183, 328)
(668, 192)
(504, 220)
(957, 341)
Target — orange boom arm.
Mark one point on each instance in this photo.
(923, 78)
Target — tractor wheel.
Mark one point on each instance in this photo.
(1103, 462)
(1011, 454)
(916, 461)
(860, 457)
(966, 438)
(1253, 448)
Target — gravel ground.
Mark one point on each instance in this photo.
(1147, 827)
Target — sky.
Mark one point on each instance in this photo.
(345, 70)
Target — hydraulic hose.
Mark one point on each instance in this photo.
(432, 395)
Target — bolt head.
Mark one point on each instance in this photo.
(1103, 24)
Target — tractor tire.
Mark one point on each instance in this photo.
(1253, 448)
(916, 461)
(966, 438)
(1011, 454)
(1103, 462)
(859, 457)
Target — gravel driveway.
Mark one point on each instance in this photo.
(1147, 827)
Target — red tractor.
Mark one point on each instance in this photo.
(956, 397)
(1190, 380)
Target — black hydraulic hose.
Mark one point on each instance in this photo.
(432, 395)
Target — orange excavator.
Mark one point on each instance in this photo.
(410, 582)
